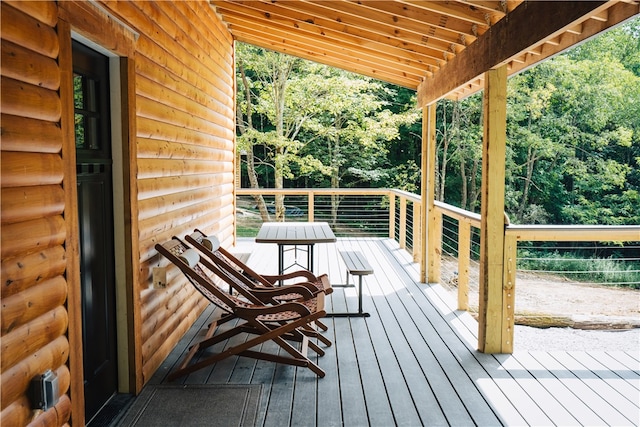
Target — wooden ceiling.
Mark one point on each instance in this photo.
(439, 48)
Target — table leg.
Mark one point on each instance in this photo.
(359, 313)
(281, 251)
(280, 260)
(360, 295)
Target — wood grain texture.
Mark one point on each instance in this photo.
(28, 32)
(97, 25)
(21, 308)
(30, 67)
(155, 187)
(31, 236)
(26, 203)
(184, 151)
(72, 234)
(32, 336)
(174, 219)
(21, 272)
(30, 169)
(15, 380)
(490, 311)
(27, 100)
(30, 135)
(43, 11)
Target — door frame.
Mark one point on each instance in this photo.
(121, 40)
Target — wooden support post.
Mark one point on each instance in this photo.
(491, 305)
(464, 252)
(430, 244)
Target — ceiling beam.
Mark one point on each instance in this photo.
(506, 40)
(244, 17)
(615, 14)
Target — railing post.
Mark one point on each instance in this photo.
(392, 215)
(402, 238)
(509, 290)
(310, 205)
(417, 226)
(435, 246)
(464, 252)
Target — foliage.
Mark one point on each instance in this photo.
(611, 270)
(573, 135)
(573, 132)
(313, 123)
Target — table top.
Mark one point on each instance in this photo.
(295, 233)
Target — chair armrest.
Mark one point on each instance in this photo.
(305, 291)
(254, 311)
(300, 273)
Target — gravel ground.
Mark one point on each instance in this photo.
(529, 339)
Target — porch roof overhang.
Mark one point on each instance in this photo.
(438, 48)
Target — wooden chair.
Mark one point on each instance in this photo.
(279, 323)
(254, 286)
(210, 246)
(245, 280)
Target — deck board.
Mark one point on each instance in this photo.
(414, 361)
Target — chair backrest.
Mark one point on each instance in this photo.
(243, 278)
(188, 260)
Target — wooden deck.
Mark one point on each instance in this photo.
(414, 363)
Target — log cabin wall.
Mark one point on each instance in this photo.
(180, 175)
(185, 152)
(34, 285)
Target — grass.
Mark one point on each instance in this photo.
(605, 271)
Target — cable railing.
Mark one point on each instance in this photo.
(597, 263)
(349, 212)
(454, 258)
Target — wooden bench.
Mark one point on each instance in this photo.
(357, 265)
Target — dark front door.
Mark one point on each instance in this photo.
(95, 209)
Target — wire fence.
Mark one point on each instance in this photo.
(348, 215)
(368, 215)
(587, 263)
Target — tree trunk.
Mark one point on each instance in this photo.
(475, 192)
(251, 166)
(335, 180)
(531, 160)
(463, 179)
(281, 76)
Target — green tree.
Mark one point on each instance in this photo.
(313, 121)
(269, 86)
(350, 137)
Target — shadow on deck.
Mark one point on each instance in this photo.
(414, 362)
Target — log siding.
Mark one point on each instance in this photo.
(34, 287)
(178, 130)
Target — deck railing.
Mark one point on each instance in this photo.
(396, 214)
(360, 212)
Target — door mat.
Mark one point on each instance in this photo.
(222, 405)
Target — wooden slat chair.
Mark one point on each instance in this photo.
(255, 287)
(210, 246)
(278, 323)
